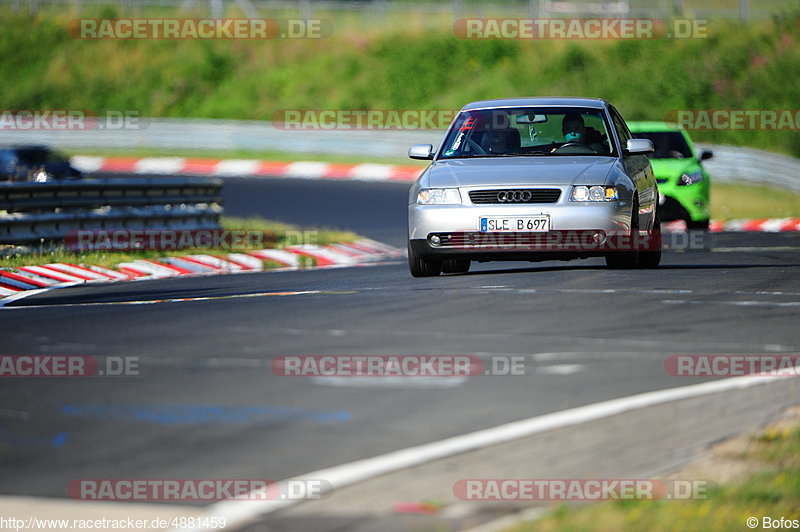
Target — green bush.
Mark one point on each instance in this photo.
(738, 66)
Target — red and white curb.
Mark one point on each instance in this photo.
(769, 225)
(362, 252)
(761, 225)
(247, 168)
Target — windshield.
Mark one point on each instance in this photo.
(668, 144)
(40, 156)
(528, 131)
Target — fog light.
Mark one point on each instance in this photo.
(435, 240)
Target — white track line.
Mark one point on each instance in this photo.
(25, 293)
(238, 513)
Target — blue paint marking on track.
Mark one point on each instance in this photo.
(59, 440)
(204, 414)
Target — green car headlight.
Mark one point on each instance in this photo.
(690, 178)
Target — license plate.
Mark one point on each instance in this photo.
(534, 224)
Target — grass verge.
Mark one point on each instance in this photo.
(732, 66)
(733, 200)
(771, 488)
(280, 235)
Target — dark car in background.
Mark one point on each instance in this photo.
(35, 163)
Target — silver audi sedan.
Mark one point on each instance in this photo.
(534, 179)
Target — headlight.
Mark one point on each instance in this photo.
(595, 193)
(439, 196)
(690, 178)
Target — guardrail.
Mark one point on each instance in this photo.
(730, 163)
(752, 166)
(45, 213)
(217, 135)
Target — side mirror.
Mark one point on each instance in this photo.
(639, 147)
(421, 151)
(706, 154)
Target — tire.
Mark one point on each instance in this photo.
(420, 267)
(455, 266)
(701, 225)
(651, 258)
(626, 260)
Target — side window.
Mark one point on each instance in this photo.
(7, 159)
(622, 129)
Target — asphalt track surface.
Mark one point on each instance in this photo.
(207, 405)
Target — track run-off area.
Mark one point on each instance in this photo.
(207, 403)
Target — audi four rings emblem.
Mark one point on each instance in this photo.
(514, 196)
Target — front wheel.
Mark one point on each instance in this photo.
(455, 266)
(701, 225)
(420, 267)
(626, 260)
(651, 257)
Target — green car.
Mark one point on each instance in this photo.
(683, 183)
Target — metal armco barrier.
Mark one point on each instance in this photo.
(36, 213)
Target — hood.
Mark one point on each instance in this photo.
(519, 171)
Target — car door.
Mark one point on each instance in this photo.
(639, 170)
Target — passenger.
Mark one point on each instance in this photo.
(500, 141)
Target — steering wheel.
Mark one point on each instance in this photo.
(572, 144)
(477, 147)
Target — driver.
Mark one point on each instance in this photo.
(575, 130)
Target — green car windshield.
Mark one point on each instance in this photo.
(668, 144)
(517, 132)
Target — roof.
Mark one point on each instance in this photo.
(641, 127)
(593, 103)
(26, 147)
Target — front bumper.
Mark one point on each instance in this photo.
(691, 202)
(458, 229)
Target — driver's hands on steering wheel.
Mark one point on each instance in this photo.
(570, 143)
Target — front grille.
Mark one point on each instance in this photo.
(513, 196)
(569, 241)
(478, 240)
